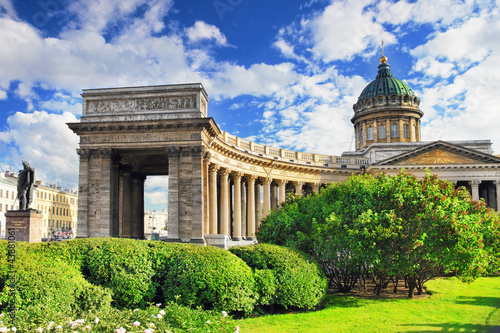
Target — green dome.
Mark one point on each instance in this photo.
(385, 85)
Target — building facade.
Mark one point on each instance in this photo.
(60, 211)
(8, 197)
(221, 186)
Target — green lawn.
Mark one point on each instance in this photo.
(453, 307)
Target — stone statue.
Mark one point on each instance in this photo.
(25, 184)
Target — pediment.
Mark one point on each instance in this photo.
(441, 152)
(439, 156)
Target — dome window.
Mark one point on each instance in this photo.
(405, 99)
(380, 100)
(381, 131)
(393, 99)
(370, 133)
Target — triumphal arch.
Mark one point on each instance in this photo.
(220, 186)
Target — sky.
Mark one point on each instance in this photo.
(284, 73)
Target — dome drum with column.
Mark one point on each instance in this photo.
(387, 111)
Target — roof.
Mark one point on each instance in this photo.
(449, 153)
(385, 84)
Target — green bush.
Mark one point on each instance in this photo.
(174, 318)
(284, 276)
(122, 265)
(205, 276)
(49, 284)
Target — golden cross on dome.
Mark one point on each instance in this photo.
(383, 59)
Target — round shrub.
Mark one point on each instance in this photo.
(208, 277)
(49, 284)
(284, 276)
(122, 265)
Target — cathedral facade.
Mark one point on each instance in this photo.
(221, 186)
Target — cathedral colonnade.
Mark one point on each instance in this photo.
(220, 186)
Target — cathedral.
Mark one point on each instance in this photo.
(387, 130)
(221, 186)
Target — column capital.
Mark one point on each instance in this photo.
(173, 152)
(127, 169)
(106, 153)
(266, 180)
(251, 178)
(298, 183)
(207, 157)
(496, 182)
(84, 153)
(236, 175)
(224, 172)
(198, 151)
(281, 182)
(474, 182)
(213, 168)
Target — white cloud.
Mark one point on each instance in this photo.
(465, 105)
(203, 31)
(345, 29)
(6, 8)
(46, 142)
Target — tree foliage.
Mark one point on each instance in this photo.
(392, 226)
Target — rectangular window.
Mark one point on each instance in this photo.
(394, 131)
(361, 135)
(370, 133)
(1, 208)
(406, 131)
(381, 131)
(1, 193)
(7, 194)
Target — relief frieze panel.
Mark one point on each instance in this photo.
(135, 138)
(141, 104)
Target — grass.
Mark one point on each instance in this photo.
(453, 307)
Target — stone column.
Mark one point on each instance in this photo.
(237, 205)
(126, 209)
(106, 194)
(213, 199)
(116, 198)
(136, 204)
(224, 202)
(83, 193)
(251, 207)
(282, 190)
(298, 187)
(401, 129)
(243, 207)
(173, 194)
(315, 187)
(497, 185)
(206, 194)
(258, 204)
(474, 184)
(195, 180)
(266, 182)
(274, 196)
(388, 131)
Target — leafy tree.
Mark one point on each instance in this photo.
(395, 226)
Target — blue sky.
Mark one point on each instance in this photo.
(279, 72)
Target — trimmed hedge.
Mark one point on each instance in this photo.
(205, 276)
(122, 265)
(49, 284)
(284, 276)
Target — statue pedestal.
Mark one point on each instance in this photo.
(27, 224)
